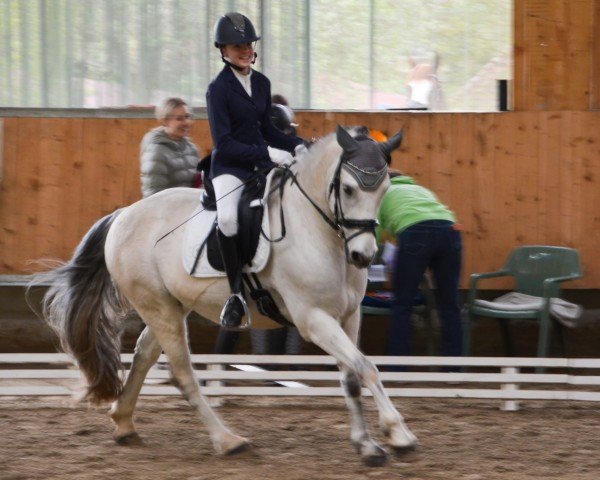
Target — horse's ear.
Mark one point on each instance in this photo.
(390, 145)
(345, 140)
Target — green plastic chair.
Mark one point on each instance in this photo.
(538, 270)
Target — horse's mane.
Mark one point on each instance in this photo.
(319, 150)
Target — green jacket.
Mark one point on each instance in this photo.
(406, 203)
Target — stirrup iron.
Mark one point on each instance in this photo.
(246, 320)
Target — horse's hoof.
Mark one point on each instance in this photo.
(129, 440)
(376, 457)
(404, 450)
(231, 444)
(242, 447)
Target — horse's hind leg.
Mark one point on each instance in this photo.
(169, 326)
(147, 351)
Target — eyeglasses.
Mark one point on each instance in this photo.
(180, 118)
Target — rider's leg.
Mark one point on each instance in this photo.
(228, 190)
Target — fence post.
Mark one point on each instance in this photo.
(215, 401)
(509, 405)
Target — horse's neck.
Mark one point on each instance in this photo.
(314, 178)
(315, 174)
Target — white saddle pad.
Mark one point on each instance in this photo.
(198, 228)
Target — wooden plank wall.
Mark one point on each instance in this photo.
(555, 54)
(513, 178)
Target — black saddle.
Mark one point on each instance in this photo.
(250, 213)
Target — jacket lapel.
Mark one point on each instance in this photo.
(236, 86)
(256, 91)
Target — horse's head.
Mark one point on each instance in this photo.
(423, 84)
(357, 188)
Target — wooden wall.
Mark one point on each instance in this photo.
(556, 48)
(513, 178)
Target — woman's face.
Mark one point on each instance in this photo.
(178, 123)
(241, 55)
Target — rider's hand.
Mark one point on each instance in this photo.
(280, 157)
(300, 150)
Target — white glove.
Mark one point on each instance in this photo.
(300, 150)
(280, 157)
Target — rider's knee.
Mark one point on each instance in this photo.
(228, 224)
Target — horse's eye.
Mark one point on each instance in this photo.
(348, 190)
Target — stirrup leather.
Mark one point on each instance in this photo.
(248, 319)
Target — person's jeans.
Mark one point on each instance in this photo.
(436, 245)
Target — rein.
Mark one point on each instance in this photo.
(252, 178)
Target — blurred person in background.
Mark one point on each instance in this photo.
(427, 237)
(168, 158)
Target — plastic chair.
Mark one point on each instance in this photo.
(538, 270)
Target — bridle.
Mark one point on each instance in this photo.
(368, 177)
(339, 222)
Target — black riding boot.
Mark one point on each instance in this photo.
(235, 307)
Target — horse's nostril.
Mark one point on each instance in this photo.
(359, 260)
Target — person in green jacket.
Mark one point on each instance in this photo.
(427, 236)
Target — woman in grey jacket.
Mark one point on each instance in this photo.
(168, 157)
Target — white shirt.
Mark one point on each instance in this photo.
(244, 80)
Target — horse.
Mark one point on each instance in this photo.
(317, 274)
(424, 85)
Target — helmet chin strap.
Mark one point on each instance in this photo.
(239, 69)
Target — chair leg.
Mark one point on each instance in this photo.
(468, 319)
(560, 331)
(509, 346)
(544, 335)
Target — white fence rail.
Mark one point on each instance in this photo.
(506, 379)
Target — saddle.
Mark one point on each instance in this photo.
(201, 253)
(250, 216)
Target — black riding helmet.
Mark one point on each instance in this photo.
(233, 28)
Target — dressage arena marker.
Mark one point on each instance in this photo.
(507, 373)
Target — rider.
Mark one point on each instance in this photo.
(238, 101)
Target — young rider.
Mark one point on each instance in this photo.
(238, 101)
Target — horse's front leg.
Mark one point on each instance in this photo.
(398, 435)
(371, 452)
(325, 331)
